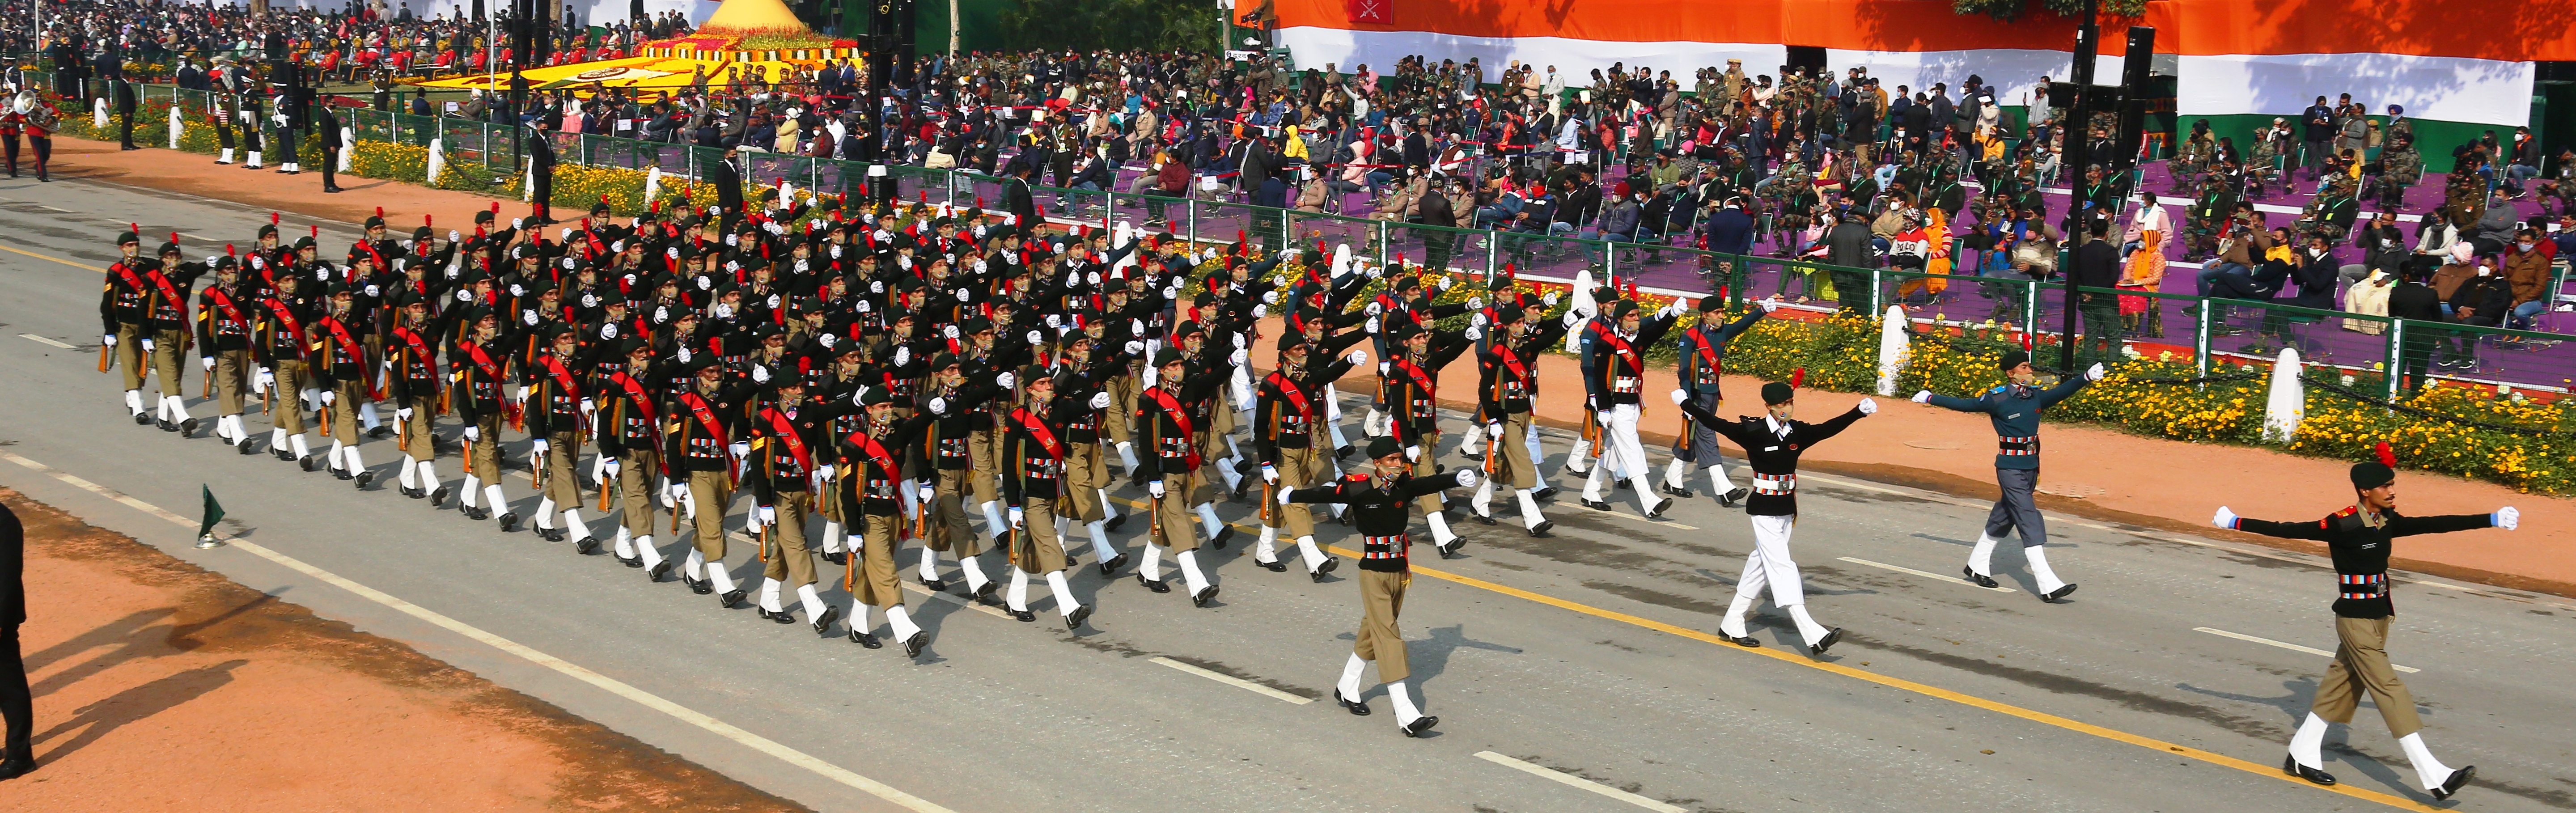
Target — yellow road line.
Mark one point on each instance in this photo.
(52, 259)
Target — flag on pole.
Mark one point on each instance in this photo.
(214, 514)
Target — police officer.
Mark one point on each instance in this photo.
(2015, 407)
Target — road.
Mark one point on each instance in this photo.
(1574, 673)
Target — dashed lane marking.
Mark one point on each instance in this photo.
(44, 341)
(2287, 645)
(1233, 681)
(1925, 574)
(1577, 781)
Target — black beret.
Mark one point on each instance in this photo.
(2012, 359)
(1384, 445)
(1775, 393)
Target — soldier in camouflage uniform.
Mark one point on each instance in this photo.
(2400, 166)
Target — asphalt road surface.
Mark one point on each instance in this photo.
(1576, 673)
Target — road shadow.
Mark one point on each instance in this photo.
(132, 636)
(2294, 702)
(136, 704)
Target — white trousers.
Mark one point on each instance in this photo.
(1770, 565)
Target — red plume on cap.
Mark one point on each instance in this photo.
(2387, 456)
(380, 211)
(496, 207)
(1797, 377)
(979, 201)
(228, 249)
(603, 198)
(317, 230)
(136, 228)
(272, 218)
(424, 221)
(656, 207)
(174, 237)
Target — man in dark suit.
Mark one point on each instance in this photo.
(2097, 265)
(16, 703)
(2415, 300)
(329, 123)
(727, 176)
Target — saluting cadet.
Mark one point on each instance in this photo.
(1703, 363)
(1285, 440)
(1616, 375)
(282, 352)
(1509, 386)
(2361, 537)
(1772, 444)
(1411, 396)
(1170, 465)
(943, 493)
(629, 437)
(791, 460)
(346, 369)
(557, 410)
(413, 383)
(2015, 408)
(479, 391)
(700, 431)
(224, 326)
(1034, 484)
(872, 479)
(1380, 502)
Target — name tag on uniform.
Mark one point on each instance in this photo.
(2012, 416)
(1770, 448)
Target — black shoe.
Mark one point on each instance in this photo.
(332, 189)
(1110, 568)
(823, 620)
(1331, 563)
(509, 521)
(763, 612)
(1024, 616)
(1819, 648)
(1683, 493)
(984, 594)
(1660, 508)
(1420, 725)
(18, 763)
(164, 425)
(837, 557)
(551, 534)
(343, 475)
(1353, 706)
(1731, 498)
(1451, 549)
(1484, 518)
(1344, 453)
(1274, 565)
(1223, 535)
(1979, 579)
(188, 428)
(1544, 494)
(936, 586)
(586, 545)
(1080, 614)
(2459, 779)
(2290, 765)
(1624, 485)
(782, 617)
(1542, 527)
(865, 639)
(1202, 597)
(2059, 593)
(631, 561)
(1748, 642)
(1596, 505)
(1112, 525)
(282, 454)
(476, 513)
(912, 646)
(381, 431)
(141, 419)
(1156, 585)
(698, 586)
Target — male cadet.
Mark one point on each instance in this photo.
(1170, 466)
(629, 431)
(1703, 362)
(1509, 386)
(478, 389)
(1033, 456)
(2015, 408)
(558, 408)
(145, 310)
(1772, 444)
(698, 432)
(2361, 537)
(1285, 440)
(224, 346)
(870, 483)
(1617, 373)
(346, 369)
(281, 348)
(791, 456)
(952, 404)
(1086, 468)
(1380, 501)
(413, 383)
(1413, 412)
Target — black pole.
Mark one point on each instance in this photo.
(2088, 37)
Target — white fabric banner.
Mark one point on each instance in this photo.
(1574, 59)
(2476, 91)
(2013, 72)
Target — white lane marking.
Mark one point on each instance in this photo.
(2286, 645)
(45, 341)
(52, 208)
(1926, 574)
(575, 671)
(1577, 781)
(1233, 681)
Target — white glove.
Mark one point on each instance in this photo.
(206, 361)
(608, 330)
(1868, 406)
(768, 515)
(529, 317)
(1239, 358)
(949, 331)
(1444, 283)
(2508, 518)
(1034, 337)
(1269, 474)
(925, 492)
(965, 294)
(328, 396)
(1135, 347)
(876, 286)
(760, 374)
(471, 434)
(464, 295)
(1474, 303)
(453, 236)
(1466, 477)
(1015, 518)
(1238, 340)
(1092, 278)
(863, 306)
(1680, 397)
(1370, 327)
(108, 339)
(1283, 495)
(902, 356)
(684, 355)
(1054, 322)
(1475, 334)
(824, 474)
(373, 291)
(739, 449)
(1549, 300)
(588, 406)
(1155, 488)
(1923, 397)
(1769, 305)
(679, 493)
(1376, 308)
(1270, 297)
(539, 446)
(1171, 292)
(1571, 318)
(1261, 311)
(828, 340)
(609, 467)
(1479, 319)
(2224, 518)
(1100, 400)
(1357, 357)
(403, 414)
(261, 382)
(1136, 326)
(939, 406)
(147, 344)
(1006, 380)
(1412, 453)
(672, 252)
(2093, 373)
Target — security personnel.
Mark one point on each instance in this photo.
(629, 437)
(478, 375)
(1507, 388)
(411, 348)
(2361, 538)
(346, 370)
(1170, 465)
(1411, 397)
(872, 477)
(283, 352)
(2015, 408)
(1703, 363)
(1772, 444)
(700, 431)
(224, 325)
(1380, 502)
(1034, 454)
(558, 411)
(792, 458)
(1285, 439)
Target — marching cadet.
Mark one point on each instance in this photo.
(839, 384)
(412, 380)
(1211, 424)
(786, 469)
(2361, 537)
(479, 382)
(1090, 368)
(558, 407)
(1034, 484)
(874, 477)
(1411, 396)
(1171, 468)
(224, 326)
(1703, 363)
(1615, 376)
(700, 448)
(951, 403)
(345, 368)
(2015, 407)
(145, 308)
(1379, 503)
(1509, 388)
(1285, 440)
(1772, 444)
(283, 353)
(629, 438)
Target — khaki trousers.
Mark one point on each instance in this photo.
(415, 435)
(1175, 528)
(1085, 470)
(874, 585)
(1381, 600)
(483, 457)
(789, 559)
(1122, 392)
(347, 398)
(562, 486)
(1514, 467)
(285, 399)
(635, 470)
(1426, 466)
(709, 495)
(164, 358)
(1298, 468)
(947, 528)
(1035, 548)
(980, 445)
(2361, 664)
(232, 377)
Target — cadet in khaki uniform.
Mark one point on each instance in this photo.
(2360, 538)
(558, 408)
(1286, 421)
(478, 382)
(225, 319)
(698, 429)
(163, 335)
(346, 369)
(1412, 400)
(791, 457)
(951, 405)
(1086, 466)
(124, 304)
(1509, 385)
(1380, 503)
(870, 480)
(1170, 465)
(281, 349)
(412, 354)
(1035, 453)
(628, 435)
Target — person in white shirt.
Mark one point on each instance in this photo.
(2148, 218)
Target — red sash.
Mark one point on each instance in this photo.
(231, 313)
(562, 377)
(1180, 418)
(1636, 365)
(1512, 362)
(1430, 388)
(706, 416)
(286, 317)
(795, 443)
(419, 350)
(876, 454)
(635, 392)
(491, 371)
(1707, 354)
(1039, 431)
(348, 346)
(1295, 395)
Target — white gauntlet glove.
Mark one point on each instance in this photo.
(147, 344)
(2508, 518)
(2224, 519)
(108, 339)
(1357, 357)
(1923, 397)
(2093, 373)
(1466, 477)
(1868, 406)
(472, 434)
(1100, 400)
(939, 406)
(328, 396)
(1155, 488)
(539, 446)
(207, 361)
(1680, 397)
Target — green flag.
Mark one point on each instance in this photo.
(214, 514)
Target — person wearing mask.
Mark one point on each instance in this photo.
(2526, 269)
(2481, 300)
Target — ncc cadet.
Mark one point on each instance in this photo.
(2361, 537)
(1772, 444)
(412, 381)
(1408, 303)
(1034, 454)
(629, 438)
(345, 368)
(1087, 368)
(145, 310)
(1379, 503)
(1205, 358)
(1411, 397)
(791, 457)
(872, 477)
(1286, 442)
(282, 349)
(943, 488)
(839, 383)
(2015, 407)
(1508, 388)
(701, 431)
(224, 325)
(1170, 466)
(1616, 374)
(557, 415)
(479, 390)
(1703, 363)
